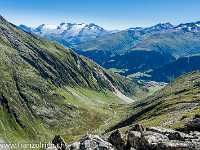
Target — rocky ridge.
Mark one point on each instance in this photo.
(138, 138)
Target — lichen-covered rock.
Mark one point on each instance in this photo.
(172, 134)
(196, 143)
(176, 145)
(186, 137)
(160, 130)
(94, 142)
(197, 116)
(194, 125)
(195, 134)
(116, 139)
(153, 140)
(57, 144)
(134, 141)
(75, 146)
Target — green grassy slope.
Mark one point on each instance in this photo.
(102, 49)
(47, 89)
(169, 107)
(117, 42)
(140, 50)
(178, 44)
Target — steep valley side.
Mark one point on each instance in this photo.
(47, 89)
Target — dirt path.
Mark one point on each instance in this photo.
(107, 121)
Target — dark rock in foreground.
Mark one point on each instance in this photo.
(153, 138)
(116, 139)
(57, 144)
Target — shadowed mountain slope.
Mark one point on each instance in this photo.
(169, 72)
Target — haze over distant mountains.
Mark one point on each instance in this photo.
(72, 34)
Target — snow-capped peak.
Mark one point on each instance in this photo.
(193, 26)
(72, 28)
(69, 32)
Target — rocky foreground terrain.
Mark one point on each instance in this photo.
(138, 138)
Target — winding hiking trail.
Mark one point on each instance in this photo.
(106, 122)
(99, 129)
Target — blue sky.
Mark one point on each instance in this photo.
(110, 14)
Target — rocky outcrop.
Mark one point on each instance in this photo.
(90, 142)
(158, 138)
(138, 128)
(75, 146)
(134, 140)
(116, 139)
(152, 140)
(171, 134)
(177, 145)
(194, 125)
(138, 138)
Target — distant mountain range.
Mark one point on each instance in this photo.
(69, 34)
(140, 49)
(72, 34)
(149, 38)
(158, 27)
(133, 50)
(168, 27)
